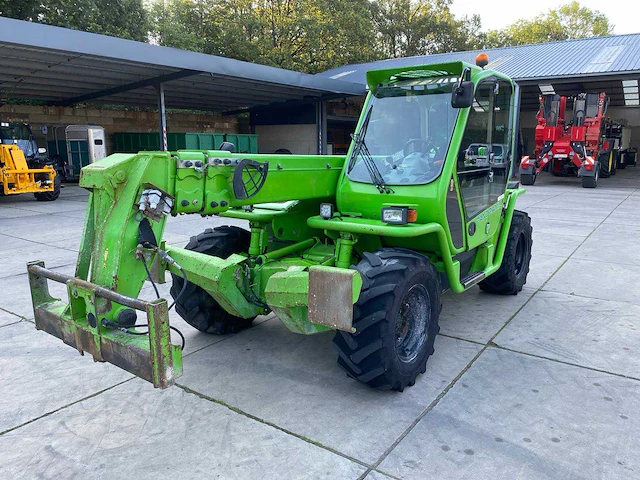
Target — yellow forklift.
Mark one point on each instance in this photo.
(23, 166)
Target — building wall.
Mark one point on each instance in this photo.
(298, 139)
(117, 121)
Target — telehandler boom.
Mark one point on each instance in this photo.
(362, 244)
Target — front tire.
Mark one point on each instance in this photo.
(195, 305)
(396, 320)
(512, 274)
(591, 182)
(528, 178)
(52, 195)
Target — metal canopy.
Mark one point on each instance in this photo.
(60, 66)
(573, 66)
(572, 87)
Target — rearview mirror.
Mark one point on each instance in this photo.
(462, 95)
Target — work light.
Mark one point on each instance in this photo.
(326, 210)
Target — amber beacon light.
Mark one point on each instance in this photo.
(482, 60)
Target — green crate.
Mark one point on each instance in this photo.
(203, 141)
(136, 142)
(245, 143)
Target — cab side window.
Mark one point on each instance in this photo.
(473, 156)
(500, 143)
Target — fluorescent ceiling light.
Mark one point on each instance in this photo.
(629, 83)
(546, 89)
(631, 96)
(630, 103)
(630, 89)
(477, 107)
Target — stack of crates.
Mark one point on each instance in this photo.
(137, 142)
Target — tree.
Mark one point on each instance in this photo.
(180, 24)
(564, 23)
(119, 18)
(303, 35)
(20, 9)
(314, 35)
(420, 27)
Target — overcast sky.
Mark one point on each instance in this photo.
(623, 14)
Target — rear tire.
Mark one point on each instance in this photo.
(52, 195)
(591, 182)
(512, 274)
(396, 320)
(196, 306)
(605, 166)
(528, 178)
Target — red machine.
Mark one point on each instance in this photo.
(572, 148)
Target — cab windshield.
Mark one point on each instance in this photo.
(406, 132)
(19, 135)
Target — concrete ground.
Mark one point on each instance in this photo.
(542, 385)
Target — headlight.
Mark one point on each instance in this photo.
(394, 215)
(326, 210)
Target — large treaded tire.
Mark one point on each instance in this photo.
(528, 178)
(50, 196)
(512, 274)
(605, 166)
(591, 182)
(196, 306)
(371, 355)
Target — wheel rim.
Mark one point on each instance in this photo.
(412, 323)
(520, 254)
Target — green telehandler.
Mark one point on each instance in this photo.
(363, 244)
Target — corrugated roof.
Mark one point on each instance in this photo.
(62, 66)
(589, 57)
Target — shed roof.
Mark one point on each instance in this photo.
(588, 57)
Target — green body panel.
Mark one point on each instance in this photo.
(288, 237)
(287, 295)
(218, 277)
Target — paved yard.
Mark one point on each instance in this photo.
(543, 385)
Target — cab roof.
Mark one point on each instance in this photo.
(377, 77)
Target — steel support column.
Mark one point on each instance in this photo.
(162, 114)
(321, 127)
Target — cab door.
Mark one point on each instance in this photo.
(484, 159)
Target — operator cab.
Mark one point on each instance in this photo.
(20, 134)
(406, 130)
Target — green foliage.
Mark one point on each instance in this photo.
(419, 27)
(179, 24)
(20, 9)
(120, 18)
(564, 23)
(304, 35)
